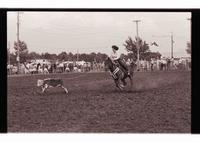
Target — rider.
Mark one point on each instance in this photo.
(115, 57)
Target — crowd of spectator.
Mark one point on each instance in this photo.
(165, 64)
(45, 66)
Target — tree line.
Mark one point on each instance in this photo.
(130, 45)
(63, 56)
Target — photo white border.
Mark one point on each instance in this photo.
(100, 4)
(50, 137)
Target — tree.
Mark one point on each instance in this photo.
(33, 55)
(46, 55)
(12, 59)
(99, 58)
(54, 57)
(62, 56)
(70, 56)
(91, 57)
(144, 51)
(149, 55)
(83, 57)
(21, 46)
(131, 47)
(188, 50)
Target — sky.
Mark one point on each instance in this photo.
(86, 32)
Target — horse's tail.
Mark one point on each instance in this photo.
(130, 76)
(131, 73)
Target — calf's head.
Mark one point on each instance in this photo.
(40, 82)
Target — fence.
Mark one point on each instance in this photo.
(153, 65)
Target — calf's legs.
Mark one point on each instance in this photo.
(46, 86)
(66, 91)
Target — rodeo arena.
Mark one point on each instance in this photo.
(75, 95)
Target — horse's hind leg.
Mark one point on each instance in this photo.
(131, 79)
(118, 85)
(123, 79)
(124, 82)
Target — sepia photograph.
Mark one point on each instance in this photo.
(98, 72)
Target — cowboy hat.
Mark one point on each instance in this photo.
(115, 47)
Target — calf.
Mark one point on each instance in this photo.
(50, 82)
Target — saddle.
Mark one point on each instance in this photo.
(120, 67)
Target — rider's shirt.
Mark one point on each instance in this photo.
(114, 56)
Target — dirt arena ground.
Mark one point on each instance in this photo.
(158, 102)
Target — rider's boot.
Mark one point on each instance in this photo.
(124, 66)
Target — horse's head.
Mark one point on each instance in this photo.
(108, 64)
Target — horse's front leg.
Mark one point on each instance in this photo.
(124, 81)
(118, 85)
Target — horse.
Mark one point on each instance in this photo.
(119, 74)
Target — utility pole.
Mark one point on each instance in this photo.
(18, 59)
(189, 19)
(137, 44)
(77, 57)
(9, 57)
(172, 45)
(18, 46)
(171, 40)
